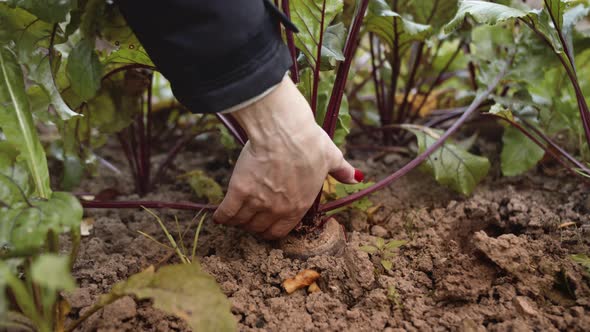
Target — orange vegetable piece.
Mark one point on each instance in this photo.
(302, 279)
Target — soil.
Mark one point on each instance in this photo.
(497, 261)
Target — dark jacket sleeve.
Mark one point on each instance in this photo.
(216, 53)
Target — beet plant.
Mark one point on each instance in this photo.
(57, 76)
(410, 59)
(74, 70)
(536, 102)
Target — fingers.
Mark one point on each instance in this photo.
(244, 216)
(346, 173)
(260, 223)
(280, 229)
(229, 208)
(268, 225)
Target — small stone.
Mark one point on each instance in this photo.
(120, 310)
(392, 158)
(469, 325)
(379, 231)
(577, 311)
(353, 314)
(79, 298)
(523, 306)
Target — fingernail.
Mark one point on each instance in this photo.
(358, 175)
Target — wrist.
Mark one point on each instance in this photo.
(283, 113)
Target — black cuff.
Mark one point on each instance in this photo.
(237, 77)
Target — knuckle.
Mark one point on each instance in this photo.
(301, 207)
(279, 210)
(227, 211)
(256, 204)
(237, 190)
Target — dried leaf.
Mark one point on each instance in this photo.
(427, 104)
(63, 308)
(566, 224)
(329, 188)
(302, 279)
(86, 226)
(372, 210)
(313, 288)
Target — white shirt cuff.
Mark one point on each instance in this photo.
(251, 100)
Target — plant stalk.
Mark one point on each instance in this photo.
(291, 43)
(406, 107)
(318, 63)
(180, 144)
(424, 155)
(233, 127)
(547, 149)
(333, 109)
(148, 204)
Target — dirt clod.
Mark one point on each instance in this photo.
(523, 306)
(120, 310)
(379, 231)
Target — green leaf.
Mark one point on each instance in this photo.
(450, 165)
(379, 243)
(332, 46)
(492, 13)
(39, 72)
(343, 190)
(182, 290)
(24, 228)
(204, 186)
(15, 184)
(433, 12)
(17, 122)
(52, 272)
(4, 275)
(369, 249)
(583, 260)
(483, 12)
(13, 22)
(52, 11)
(394, 244)
(388, 265)
(324, 92)
(519, 153)
(91, 17)
(501, 111)
(385, 23)
(570, 18)
(307, 15)
(72, 173)
(556, 8)
(126, 48)
(84, 69)
(31, 49)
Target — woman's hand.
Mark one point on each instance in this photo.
(283, 165)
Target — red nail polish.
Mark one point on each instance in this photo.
(358, 175)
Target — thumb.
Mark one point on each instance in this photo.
(346, 173)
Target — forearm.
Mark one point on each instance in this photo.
(217, 54)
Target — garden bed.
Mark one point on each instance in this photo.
(498, 260)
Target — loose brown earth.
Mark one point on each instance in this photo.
(496, 261)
